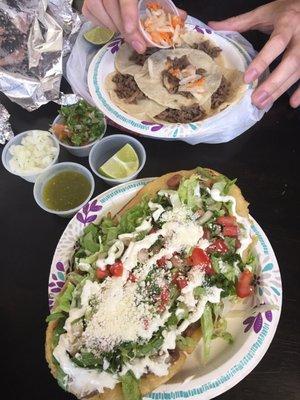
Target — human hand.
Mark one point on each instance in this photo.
(119, 16)
(281, 18)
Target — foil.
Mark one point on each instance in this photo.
(34, 37)
(68, 99)
(6, 132)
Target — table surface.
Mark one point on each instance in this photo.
(264, 160)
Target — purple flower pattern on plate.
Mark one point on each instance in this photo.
(267, 284)
(202, 30)
(86, 214)
(256, 321)
(57, 282)
(154, 126)
(115, 45)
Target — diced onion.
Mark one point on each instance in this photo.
(35, 153)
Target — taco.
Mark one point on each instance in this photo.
(179, 77)
(125, 93)
(198, 41)
(128, 61)
(146, 284)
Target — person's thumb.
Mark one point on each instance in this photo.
(240, 23)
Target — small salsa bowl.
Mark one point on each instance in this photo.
(42, 180)
(79, 151)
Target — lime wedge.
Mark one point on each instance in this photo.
(122, 164)
(98, 35)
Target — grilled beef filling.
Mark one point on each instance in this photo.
(184, 115)
(140, 59)
(127, 88)
(171, 82)
(208, 48)
(221, 94)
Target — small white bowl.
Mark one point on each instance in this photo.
(167, 5)
(41, 181)
(79, 151)
(6, 156)
(107, 147)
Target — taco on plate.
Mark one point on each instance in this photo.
(147, 284)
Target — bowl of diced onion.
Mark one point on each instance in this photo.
(30, 153)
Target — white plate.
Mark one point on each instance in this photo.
(103, 64)
(252, 332)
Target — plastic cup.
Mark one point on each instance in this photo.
(107, 147)
(79, 151)
(167, 5)
(41, 181)
(6, 156)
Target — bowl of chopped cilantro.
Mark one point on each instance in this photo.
(78, 127)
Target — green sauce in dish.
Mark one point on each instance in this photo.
(66, 190)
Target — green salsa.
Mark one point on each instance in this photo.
(66, 190)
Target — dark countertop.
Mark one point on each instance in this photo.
(264, 160)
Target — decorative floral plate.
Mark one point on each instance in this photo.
(235, 56)
(253, 327)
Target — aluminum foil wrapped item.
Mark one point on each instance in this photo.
(6, 132)
(34, 36)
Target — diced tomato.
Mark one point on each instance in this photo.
(101, 274)
(153, 230)
(200, 259)
(164, 295)
(161, 262)
(230, 231)
(164, 299)
(176, 20)
(61, 131)
(227, 220)
(116, 269)
(244, 286)
(181, 282)
(218, 246)
(132, 277)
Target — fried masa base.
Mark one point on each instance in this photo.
(148, 382)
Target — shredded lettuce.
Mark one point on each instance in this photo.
(213, 326)
(186, 192)
(130, 387)
(220, 331)
(207, 327)
(61, 377)
(55, 316)
(64, 299)
(224, 185)
(185, 343)
(134, 217)
(59, 330)
(88, 360)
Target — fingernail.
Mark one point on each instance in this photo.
(128, 26)
(250, 75)
(261, 97)
(138, 46)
